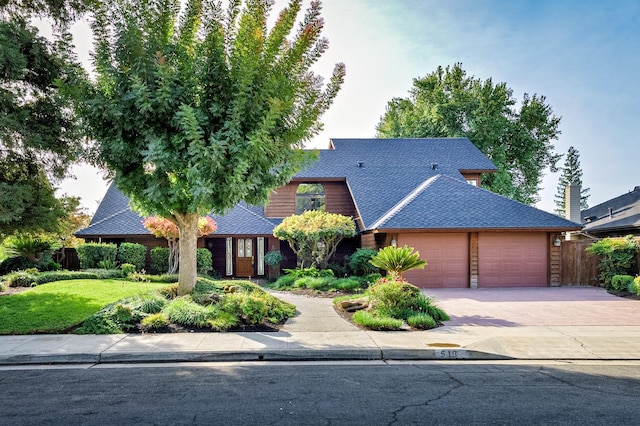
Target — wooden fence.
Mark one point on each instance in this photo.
(579, 267)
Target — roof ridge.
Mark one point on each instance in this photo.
(404, 202)
(107, 218)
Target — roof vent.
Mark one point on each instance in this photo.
(434, 166)
(360, 164)
(636, 189)
(589, 219)
(610, 212)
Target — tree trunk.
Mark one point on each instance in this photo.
(188, 244)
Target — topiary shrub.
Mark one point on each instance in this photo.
(132, 253)
(204, 260)
(160, 260)
(91, 254)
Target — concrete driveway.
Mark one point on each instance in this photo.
(552, 306)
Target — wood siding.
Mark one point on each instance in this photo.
(282, 202)
(577, 266)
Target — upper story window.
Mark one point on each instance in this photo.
(309, 196)
(473, 182)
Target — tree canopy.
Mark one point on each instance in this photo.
(516, 137)
(196, 108)
(39, 134)
(571, 175)
(314, 235)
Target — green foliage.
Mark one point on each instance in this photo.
(616, 256)
(107, 264)
(308, 272)
(376, 322)
(91, 254)
(33, 277)
(250, 308)
(636, 285)
(314, 235)
(127, 269)
(347, 284)
(396, 260)
(132, 253)
(359, 262)
(204, 260)
(285, 281)
(184, 311)
(274, 258)
(220, 104)
(393, 294)
(154, 321)
(622, 283)
(160, 259)
(571, 175)
(421, 321)
(448, 103)
(39, 137)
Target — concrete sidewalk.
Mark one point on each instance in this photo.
(317, 332)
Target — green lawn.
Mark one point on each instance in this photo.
(56, 306)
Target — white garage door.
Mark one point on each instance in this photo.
(512, 260)
(447, 256)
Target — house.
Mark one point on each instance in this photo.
(424, 193)
(617, 217)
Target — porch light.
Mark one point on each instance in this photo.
(557, 241)
(394, 243)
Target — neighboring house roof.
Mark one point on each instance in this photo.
(395, 184)
(618, 216)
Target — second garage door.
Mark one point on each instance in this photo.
(512, 260)
(447, 256)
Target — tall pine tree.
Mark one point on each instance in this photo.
(571, 175)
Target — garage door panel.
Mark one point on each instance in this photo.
(512, 260)
(447, 256)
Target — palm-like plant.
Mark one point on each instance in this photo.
(396, 260)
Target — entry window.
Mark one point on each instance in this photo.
(310, 196)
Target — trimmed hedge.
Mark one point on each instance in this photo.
(132, 253)
(91, 254)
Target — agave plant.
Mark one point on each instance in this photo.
(396, 260)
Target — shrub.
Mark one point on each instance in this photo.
(285, 281)
(636, 285)
(396, 260)
(348, 284)
(14, 264)
(274, 258)
(3, 287)
(184, 311)
(132, 253)
(91, 254)
(20, 279)
(369, 280)
(359, 262)
(339, 270)
(617, 257)
(160, 259)
(99, 323)
(422, 321)
(107, 264)
(127, 269)
(154, 321)
(375, 322)
(394, 294)
(223, 321)
(150, 303)
(621, 282)
(204, 260)
(105, 274)
(309, 272)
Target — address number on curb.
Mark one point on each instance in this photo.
(452, 354)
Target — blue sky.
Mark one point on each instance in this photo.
(581, 55)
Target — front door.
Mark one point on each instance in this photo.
(244, 257)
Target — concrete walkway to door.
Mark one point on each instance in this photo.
(540, 306)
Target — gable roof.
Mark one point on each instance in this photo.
(381, 172)
(395, 184)
(115, 218)
(443, 203)
(620, 215)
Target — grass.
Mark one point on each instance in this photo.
(57, 306)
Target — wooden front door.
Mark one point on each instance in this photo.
(244, 257)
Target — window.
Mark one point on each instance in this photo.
(473, 182)
(309, 196)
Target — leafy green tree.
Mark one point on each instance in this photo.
(396, 260)
(314, 235)
(571, 175)
(517, 138)
(195, 108)
(39, 135)
(61, 11)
